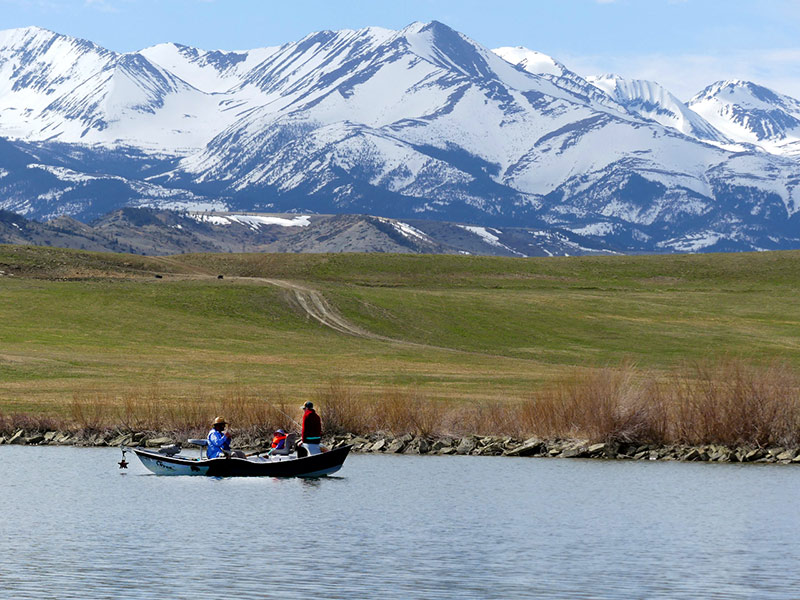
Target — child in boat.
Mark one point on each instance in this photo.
(279, 440)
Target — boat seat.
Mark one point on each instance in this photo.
(170, 450)
(288, 444)
(199, 442)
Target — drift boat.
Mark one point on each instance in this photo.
(170, 461)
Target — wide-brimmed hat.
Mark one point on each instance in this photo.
(219, 421)
(307, 405)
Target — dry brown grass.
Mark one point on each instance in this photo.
(256, 412)
(604, 405)
(735, 403)
(10, 423)
(348, 410)
(731, 403)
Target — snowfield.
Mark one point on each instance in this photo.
(254, 222)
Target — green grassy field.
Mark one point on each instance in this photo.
(76, 324)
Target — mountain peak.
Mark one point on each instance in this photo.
(438, 26)
(33, 38)
(532, 61)
(30, 30)
(420, 26)
(25, 36)
(447, 48)
(754, 113)
(741, 92)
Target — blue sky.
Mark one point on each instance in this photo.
(683, 44)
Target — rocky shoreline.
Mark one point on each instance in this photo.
(380, 443)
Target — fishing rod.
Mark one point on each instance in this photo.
(288, 417)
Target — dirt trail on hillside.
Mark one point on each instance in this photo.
(315, 306)
(310, 301)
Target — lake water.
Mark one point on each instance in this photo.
(73, 526)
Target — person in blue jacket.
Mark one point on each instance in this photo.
(219, 441)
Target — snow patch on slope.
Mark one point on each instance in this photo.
(254, 222)
(531, 60)
(488, 237)
(407, 230)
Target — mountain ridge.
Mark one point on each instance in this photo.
(158, 232)
(419, 123)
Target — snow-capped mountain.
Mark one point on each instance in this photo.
(58, 88)
(420, 123)
(547, 67)
(532, 61)
(652, 101)
(751, 113)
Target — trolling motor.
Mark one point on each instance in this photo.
(123, 464)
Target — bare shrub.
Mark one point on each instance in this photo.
(427, 416)
(485, 418)
(89, 412)
(729, 403)
(343, 409)
(11, 423)
(603, 405)
(393, 413)
(734, 403)
(404, 411)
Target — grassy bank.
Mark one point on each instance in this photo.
(476, 345)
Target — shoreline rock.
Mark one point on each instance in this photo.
(541, 448)
(472, 445)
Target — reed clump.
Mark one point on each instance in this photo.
(608, 405)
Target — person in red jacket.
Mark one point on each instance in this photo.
(311, 434)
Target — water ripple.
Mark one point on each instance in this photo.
(398, 527)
